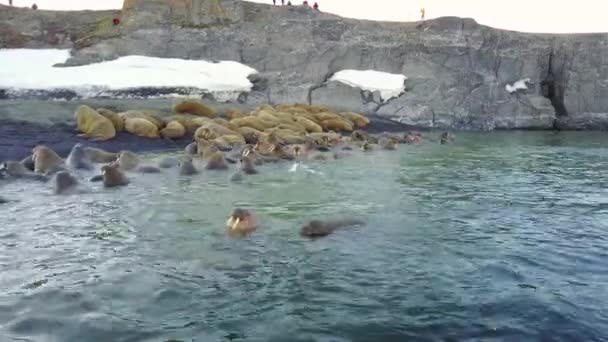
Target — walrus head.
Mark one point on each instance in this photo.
(240, 219)
(314, 228)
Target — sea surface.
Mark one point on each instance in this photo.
(500, 237)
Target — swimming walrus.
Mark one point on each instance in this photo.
(186, 167)
(216, 161)
(191, 149)
(97, 155)
(388, 144)
(112, 176)
(78, 158)
(168, 162)
(241, 221)
(16, 169)
(46, 161)
(63, 182)
(317, 228)
(446, 138)
(127, 160)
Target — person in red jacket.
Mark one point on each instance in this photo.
(316, 6)
(305, 3)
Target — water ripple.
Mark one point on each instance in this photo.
(500, 237)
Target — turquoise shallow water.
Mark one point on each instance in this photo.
(500, 237)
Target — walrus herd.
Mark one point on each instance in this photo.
(247, 141)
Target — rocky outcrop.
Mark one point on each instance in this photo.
(457, 69)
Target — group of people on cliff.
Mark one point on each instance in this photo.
(305, 3)
(34, 6)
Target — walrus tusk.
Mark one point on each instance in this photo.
(236, 222)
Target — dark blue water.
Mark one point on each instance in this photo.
(500, 237)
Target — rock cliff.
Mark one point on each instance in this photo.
(457, 69)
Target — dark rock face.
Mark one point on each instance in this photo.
(457, 69)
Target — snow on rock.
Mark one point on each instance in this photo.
(32, 69)
(518, 85)
(389, 85)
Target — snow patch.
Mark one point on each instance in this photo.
(518, 85)
(389, 85)
(32, 69)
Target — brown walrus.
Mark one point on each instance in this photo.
(63, 182)
(241, 222)
(46, 160)
(317, 228)
(112, 176)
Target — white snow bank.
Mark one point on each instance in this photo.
(518, 85)
(389, 85)
(33, 69)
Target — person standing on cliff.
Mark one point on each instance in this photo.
(10, 2)
(422, 13)
(282, 2)
(316, 6)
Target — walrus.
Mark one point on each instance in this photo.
(359, 135)
(97, 155)
(317, 228)
(63, 182)
(186, 167)
(388, 144)
(46, 160)
(127, 160)
(412, 138)
(247, 165)
(241, 221)
(216, 161)
(112, 176)
(447, 138)
(78, 159)
(366, 146)
(206, 148)
(191, 149)
(168, 162)
(16, 169)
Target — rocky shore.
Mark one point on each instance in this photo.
(458, 72)
(25, 124)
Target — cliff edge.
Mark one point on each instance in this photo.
(457, 70)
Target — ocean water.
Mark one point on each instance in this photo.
(501, 237)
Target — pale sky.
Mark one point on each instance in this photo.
(522, 15)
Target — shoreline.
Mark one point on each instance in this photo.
(18, 137)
